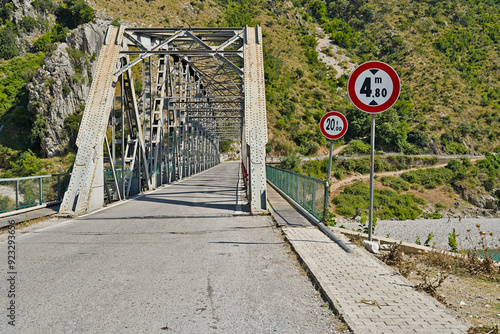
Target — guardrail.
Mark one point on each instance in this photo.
(23, 192)
(307, 191)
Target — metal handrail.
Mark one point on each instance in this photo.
(48, 193)
(307, 191)
(31, 177)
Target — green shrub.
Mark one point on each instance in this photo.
(357, 146)
(338, 174)
(6, 203)
(115, 23)
(8, 47)
(72, 13)
(397, 184)
(225, 146)
(429, 178)
(6, 10)
(439, 205)
(14, 75)
(29, 23)
(7, 155)
(364, 227)
(26, 164)
(291, 162)
(452, 241)
(138, 88)
(341, 33)
(309, 148)
(427, 241)
(455, 148)
(316, 168)
(66, 89)
(45, 42)
(240, 13)
(44, 5)
(434, 215)
(387, 204)
(72, 126)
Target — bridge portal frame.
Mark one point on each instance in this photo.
(163, 101)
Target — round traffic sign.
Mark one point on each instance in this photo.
(333, 125)
(374, 87)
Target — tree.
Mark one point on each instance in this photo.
(6, 9)
(72, 13)
(8, 48)
(318, 9)
(291, 162)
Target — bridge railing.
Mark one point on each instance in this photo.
(307, 191)
(23, 192)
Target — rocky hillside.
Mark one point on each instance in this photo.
(46, 72)
(58, 91)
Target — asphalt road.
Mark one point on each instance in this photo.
(183, 259)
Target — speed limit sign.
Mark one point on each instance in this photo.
(333, 125)
(374, 87)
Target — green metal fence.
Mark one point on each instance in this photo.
(22, 192)
(308, 192)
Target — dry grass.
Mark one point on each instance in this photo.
(160, 13)
(467, 284)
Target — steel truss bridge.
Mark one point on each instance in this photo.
(161, 101)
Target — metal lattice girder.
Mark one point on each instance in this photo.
(255, 124)
(169, 97)
(86, 188)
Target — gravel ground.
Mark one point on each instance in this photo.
(409, 230)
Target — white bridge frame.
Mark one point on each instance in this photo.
(161, 102)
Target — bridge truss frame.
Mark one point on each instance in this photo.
(161, 112)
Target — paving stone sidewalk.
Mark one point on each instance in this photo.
(371, 297)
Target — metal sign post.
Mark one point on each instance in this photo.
(373, 87)
(326, 205)
(333, 125)
(372, 170)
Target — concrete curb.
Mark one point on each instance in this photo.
(337, 308)
(31, 208)
(407, 247)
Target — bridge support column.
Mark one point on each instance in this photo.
(255, 122)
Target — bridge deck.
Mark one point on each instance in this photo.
(182, 259)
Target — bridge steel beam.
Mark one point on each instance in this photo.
(162, 101)
(255, 122)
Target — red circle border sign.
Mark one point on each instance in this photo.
(322, 125)
(380, 66)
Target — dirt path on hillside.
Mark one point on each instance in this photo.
(337, 185)
(339, 61)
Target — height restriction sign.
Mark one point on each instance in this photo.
(374, 87)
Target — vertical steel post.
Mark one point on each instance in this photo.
(149, 148)
(296, 185)
(58, 187)
(40, 190)
(372, 169)
(123, 139)
(17, 194)
(304, 196)
(326, 210)
(313, 209)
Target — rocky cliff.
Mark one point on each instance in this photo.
(31, 22)
(61, 86)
